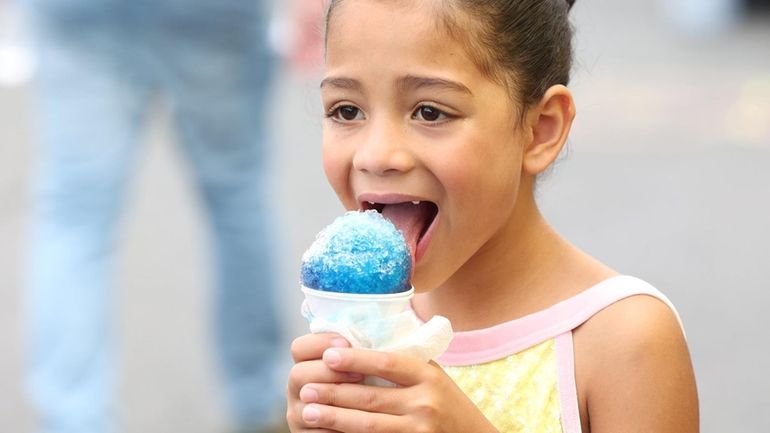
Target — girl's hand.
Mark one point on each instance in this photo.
(309, 368)
(427, 400)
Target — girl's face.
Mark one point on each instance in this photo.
(409, 117)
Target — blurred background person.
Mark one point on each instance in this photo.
(101, 65)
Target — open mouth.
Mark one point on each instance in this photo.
(412, 218)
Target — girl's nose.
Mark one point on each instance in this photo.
(383, 152)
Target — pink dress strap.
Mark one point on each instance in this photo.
(489, 344)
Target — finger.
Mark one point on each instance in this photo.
(316, 372)
(351, 420)
(312, 346)
(400, 369)
(295, 422)
(355, 396)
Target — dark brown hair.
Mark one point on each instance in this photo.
(523, 44)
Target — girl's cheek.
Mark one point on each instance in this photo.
(332, 160)
(336, 171)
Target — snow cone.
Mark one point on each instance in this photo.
(356, 281)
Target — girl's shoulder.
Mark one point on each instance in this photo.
(619, 298)
(629, 313)
(636, 317)
(631, 357)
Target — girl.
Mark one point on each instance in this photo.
(441, 114)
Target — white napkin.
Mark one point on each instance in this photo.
(365, 326)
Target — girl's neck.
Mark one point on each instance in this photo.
(527, 267)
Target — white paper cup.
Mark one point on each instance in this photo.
(328, 304)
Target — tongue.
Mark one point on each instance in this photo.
(409, 219)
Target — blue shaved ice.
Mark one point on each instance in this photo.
(360, 252)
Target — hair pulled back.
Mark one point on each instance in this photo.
(523, 44)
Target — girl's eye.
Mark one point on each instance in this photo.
(346, 113)
(429, 114)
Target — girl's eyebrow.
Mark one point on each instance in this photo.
(407, 82)
(341, 83)
(411, 82)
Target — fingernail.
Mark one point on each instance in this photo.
(332, 357)
(308, 394)
(340, 342)
(311, 414)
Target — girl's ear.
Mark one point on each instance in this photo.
(549, 123)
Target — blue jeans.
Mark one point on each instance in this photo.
(98, 74)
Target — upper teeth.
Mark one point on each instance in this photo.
(413, 202)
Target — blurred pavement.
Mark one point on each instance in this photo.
(667, 179)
